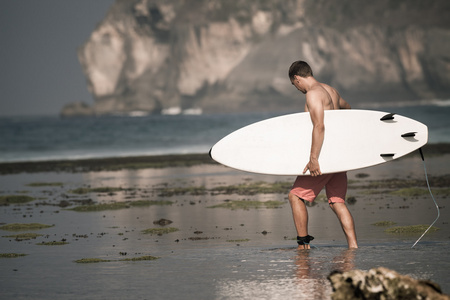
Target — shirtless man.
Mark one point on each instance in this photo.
(319, 97)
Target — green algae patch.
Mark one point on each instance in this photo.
(410, 192)
(254, 188)
(240, 189)
(99, 260)
(442, 192)
(23, 236)
(415, 192)
(411, 229)
(159, 231)
(24, 226)
(91, 260)
(86, 190)
(384, 223)
(107, 164)
(15, 199)
(140, 203)
(118, 205)
(11, 255)
(141, 258)
(39, 184)
(238, 241)
(193, 190)
(373, 192)
(101, 207)
(247, 204)
(53, 243)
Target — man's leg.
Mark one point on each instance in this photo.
(300, 214)
(346, 219)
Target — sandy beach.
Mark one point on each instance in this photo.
(181, 226)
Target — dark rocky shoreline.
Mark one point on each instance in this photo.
(144, 162)
(106, 164)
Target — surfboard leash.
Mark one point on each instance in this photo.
(432, 197)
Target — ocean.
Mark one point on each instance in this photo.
(40, 138)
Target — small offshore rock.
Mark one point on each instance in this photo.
(351, 200)
(162, 222)
(381, 283)
(362, 175)
(64, 203)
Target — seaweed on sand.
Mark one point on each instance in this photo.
(15, 199)
(254, 188)
(91, 260)
(414, 192)
(107, 164)
(159, 231)
(247, 204)
(249, 189)
(410, 192)
(384, 223)
(195, 191)
(87, 190)
(141, 258)
(118, 205)
(24, 226)
(238, 241)
(39, 184)
(53, 243)
(99, 260)
(411, 229)
(23, 236)
(11, 255)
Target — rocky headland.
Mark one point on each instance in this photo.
(150, 56)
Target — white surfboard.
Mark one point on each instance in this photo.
(354, 139)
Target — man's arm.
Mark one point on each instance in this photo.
(316, 112)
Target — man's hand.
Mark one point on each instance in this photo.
(313, 167)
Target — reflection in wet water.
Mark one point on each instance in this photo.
(302, 277)
(302, 274)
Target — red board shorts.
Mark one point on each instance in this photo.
(308, 187)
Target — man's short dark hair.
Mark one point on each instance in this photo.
(300, 68)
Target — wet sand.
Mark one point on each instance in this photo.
(243, 251)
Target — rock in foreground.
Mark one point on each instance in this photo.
(381, 283)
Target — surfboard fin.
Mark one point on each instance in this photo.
(388, 117)
(387, 154)
(409, 134)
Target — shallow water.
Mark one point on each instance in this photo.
(53, 138)
(221, 265)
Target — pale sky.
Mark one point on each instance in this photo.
(39, 69)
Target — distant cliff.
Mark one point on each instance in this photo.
(225, 56)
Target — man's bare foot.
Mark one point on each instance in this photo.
(304, 247)
(303, 241)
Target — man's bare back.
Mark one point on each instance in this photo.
(319, 97)
(329, 97)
